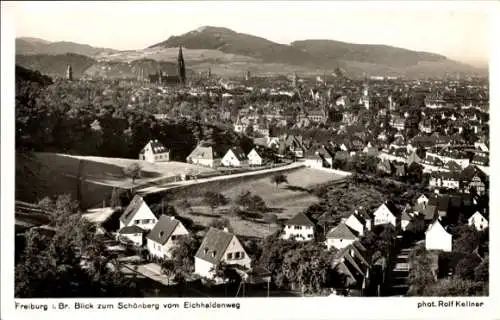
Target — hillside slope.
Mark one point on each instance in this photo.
(28, 46)
(229, 41)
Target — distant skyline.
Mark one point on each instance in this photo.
(461, 33)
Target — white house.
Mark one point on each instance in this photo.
(314, 161)
(354, 223)
(254, 159)
(340, 237)
(139, 214)
(437, 238)
(132, 233)
(299, 228)
(204, 156)
(234, 157)
(385, 214)
(154, 151)
(219, 246)
(423, 200)
(478, 221)
(164, 236)
(405, 220)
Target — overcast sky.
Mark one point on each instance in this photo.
(461, 33)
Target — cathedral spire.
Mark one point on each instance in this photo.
(181, 68)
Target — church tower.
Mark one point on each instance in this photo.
(69, 73)
(181, 68)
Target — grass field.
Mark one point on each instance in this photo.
(49, 174)
(285, 200)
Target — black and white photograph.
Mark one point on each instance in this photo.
(217, 150)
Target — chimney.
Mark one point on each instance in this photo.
(226, 229)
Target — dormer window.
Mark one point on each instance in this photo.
(213, 253)
(162, 233)
(205, 251)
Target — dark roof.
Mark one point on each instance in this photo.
(238, 153)
(131, 230)
(214, 245)
(203, 152)
(299, 219)
(341, 231)
(132, 208)
(405, 216)
(163, 229)
(444, 203)
(156, 147)
(392, 207)
(468, 173)
(430, 212)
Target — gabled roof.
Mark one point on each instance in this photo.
(214, 245)
(131, 230)
(341, 231)
(405, 216)
(430, 212)
(300, 219)
(132, 208)
(240, 155)
(156, 147)
(163, 229)
(203, 152)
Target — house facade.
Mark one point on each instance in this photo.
(204, 156)
(154, 151)
(234, 157)
(478, 221)
(299, 228)
(132, 234)
(219, 246)
(254, 159)
(437, 238)
(340, 237)
(138, 213)
(164, 236)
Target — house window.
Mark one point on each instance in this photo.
(137, 221)
(205, 251)
(213, 253)
(309, 236)
(298, 228)
(236, 255)
(229, 256)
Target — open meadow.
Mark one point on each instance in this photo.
(284, 200)
(48, 174)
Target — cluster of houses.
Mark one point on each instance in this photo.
(141, 227)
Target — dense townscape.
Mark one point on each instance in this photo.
(184, 183)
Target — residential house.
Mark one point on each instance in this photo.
(448, 180)
(423, 199)
(164, 236)
(154, 151)
(480, 160)
(397, 123)
(254, 159)
(386, 213)
(384, 166)
(204, 156)
(138, 213)
(299, 228)
(478, 221)
(234, 157)
(219, 246)
(133, 234)
(350, 262)
(405, 220)
(473, 179)
(295, 145)
(355, 223)
(340, 237)
(413, 157)
(314, 160)
(437, 238)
